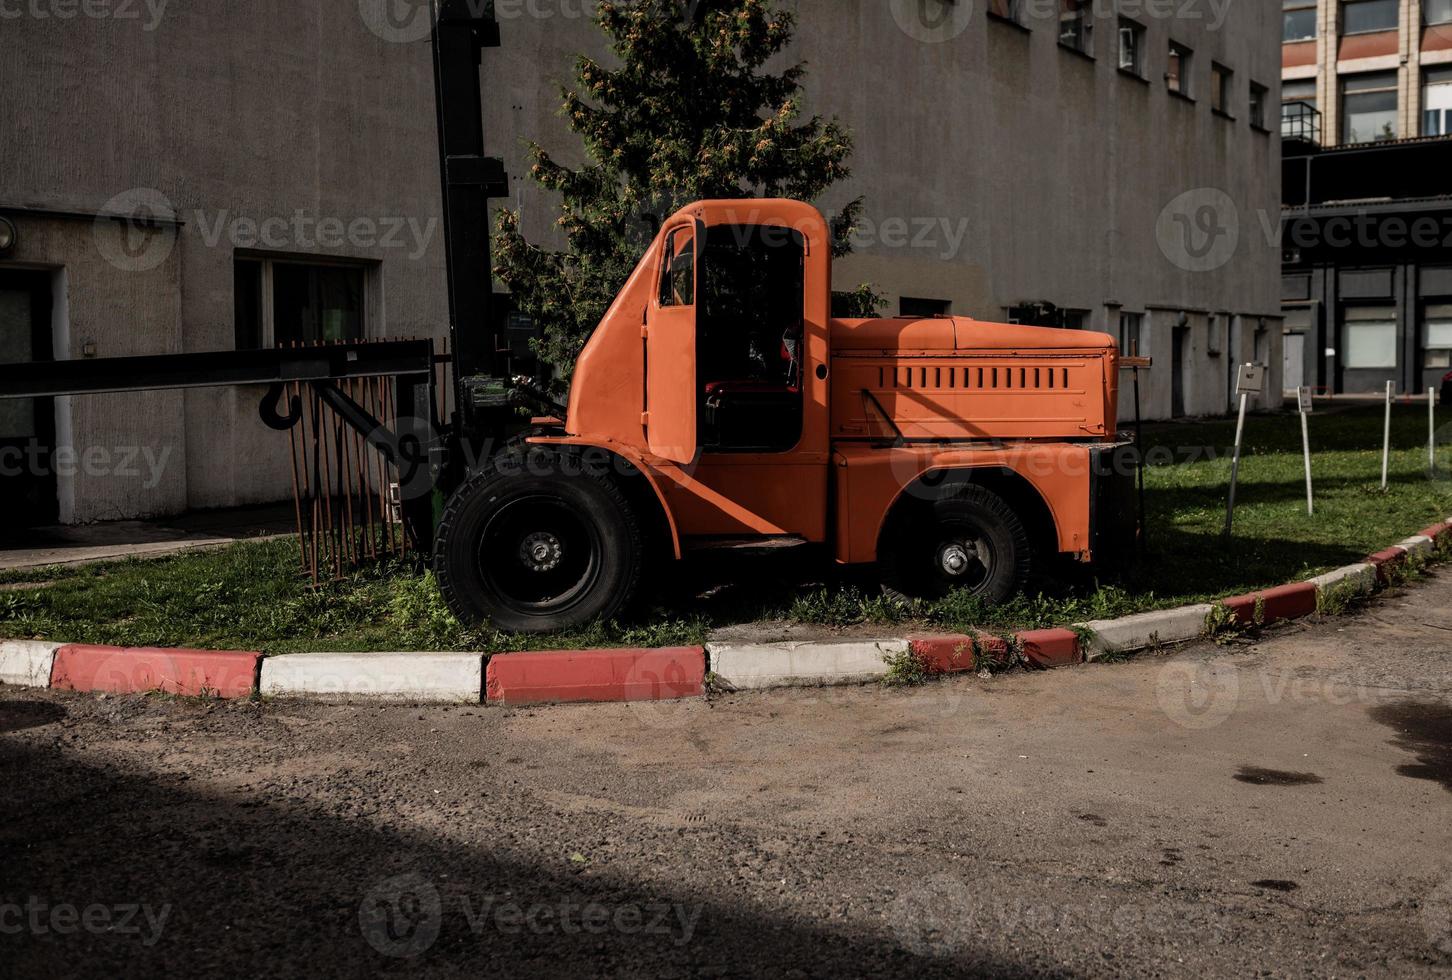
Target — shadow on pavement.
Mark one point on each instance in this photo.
(292, 887)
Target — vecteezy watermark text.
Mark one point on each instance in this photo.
(134, 462)
(403, 916)
(306, 231)
(41, 917)
(148, 12)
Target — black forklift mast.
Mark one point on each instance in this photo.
(424, 454)
(463, 29)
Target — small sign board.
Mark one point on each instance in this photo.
(1303, 396)
(1250, 380)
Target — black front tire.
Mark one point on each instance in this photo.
(538, 541)
(966, 537)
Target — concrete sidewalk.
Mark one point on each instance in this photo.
(62, 546)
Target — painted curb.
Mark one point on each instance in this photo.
(1361, 576)
(1051, 647)
(646, 675)
(1145, 630)
(1386, 561)
(436, 677)
(745, 667)
(954, 653)
(1291, 601)
(27, 663)
(121, 670)
(596, 675)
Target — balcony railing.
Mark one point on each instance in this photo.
(1300, 121)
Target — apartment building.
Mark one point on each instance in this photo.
(1367, 225)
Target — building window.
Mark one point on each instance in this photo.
(1300, 90)
(915, 306)
(1008, 10)
(280, 303)
(1437, 102)
(1371, 336)
(1220, 77)
(1076, 25)
(1368, 16)
(1437, 335)
(1369, 107)
(1437, 12)
(1258, 96)
(1299, 20)
(1177, 75)
(1131, 335)
(1131, 47)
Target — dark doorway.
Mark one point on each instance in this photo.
(1179, 355)
(27, 426)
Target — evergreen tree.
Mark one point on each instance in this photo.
(688, 114)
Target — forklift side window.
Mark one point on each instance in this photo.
(678, 272)
(749, 339)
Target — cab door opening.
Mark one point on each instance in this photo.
(750, 339)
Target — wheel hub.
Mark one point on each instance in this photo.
(956, 558)
(541, 552)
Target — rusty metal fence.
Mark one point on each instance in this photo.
(345, 492)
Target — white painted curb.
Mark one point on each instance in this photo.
(1143, 630)
(1417, 544)
(755, 666)
(26, 663)
(1362, 576)
(446, 677)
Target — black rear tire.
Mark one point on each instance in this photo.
(538, 541)
(966, 537)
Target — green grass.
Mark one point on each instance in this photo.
(253, 596)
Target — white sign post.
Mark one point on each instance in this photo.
(1303, 396)
(1431, 429)
(1249, 381)
(1386, 438)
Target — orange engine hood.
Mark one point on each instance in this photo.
(958, 333)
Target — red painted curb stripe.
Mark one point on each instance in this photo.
(952, 653)
(1437, 531)
(1051, 648)
(596, 675)
(121, 670)
(1385, 560)
(1282, 602)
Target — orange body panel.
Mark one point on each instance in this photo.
(869, 480)
(968, 380)
(1042, 395)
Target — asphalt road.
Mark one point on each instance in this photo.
(1281, 807)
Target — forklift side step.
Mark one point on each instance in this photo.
(744, 545)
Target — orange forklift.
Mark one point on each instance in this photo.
(719, 402)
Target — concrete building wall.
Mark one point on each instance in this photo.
(253, 123)
(997, 167)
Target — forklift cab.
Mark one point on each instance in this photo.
(734, 292)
